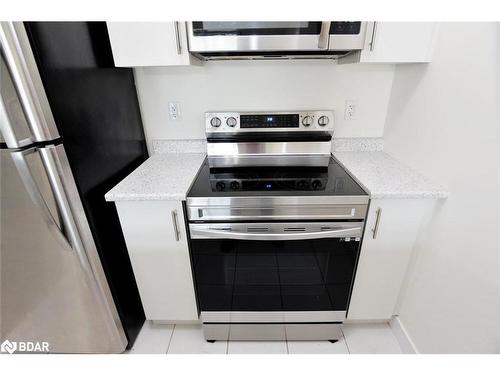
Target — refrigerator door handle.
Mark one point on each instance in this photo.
(16, 48)
(36, 196)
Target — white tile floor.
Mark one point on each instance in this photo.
(188, 339)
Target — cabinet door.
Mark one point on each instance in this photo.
(160, 258)
(384, 257)
(399, 42)
(149, 43)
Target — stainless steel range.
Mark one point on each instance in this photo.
(275, 228)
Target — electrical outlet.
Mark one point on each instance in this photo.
(350, 110)
(174, 110)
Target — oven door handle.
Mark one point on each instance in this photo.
(201, 233)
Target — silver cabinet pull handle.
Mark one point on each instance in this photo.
(177, 37)
(372, 40)
(324, 35)
(377, 223)
(176, 225)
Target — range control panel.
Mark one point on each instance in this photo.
(236, 122)
(269, 121)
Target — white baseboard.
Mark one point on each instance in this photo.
(405, 342)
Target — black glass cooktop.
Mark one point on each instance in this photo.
(262, 181)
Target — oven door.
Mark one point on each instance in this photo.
(291, 271)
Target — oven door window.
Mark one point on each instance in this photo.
(202, 28)
(311, 275)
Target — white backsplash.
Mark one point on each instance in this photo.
(358, 144)
(162, 146)
(262, 86)
(178, 146)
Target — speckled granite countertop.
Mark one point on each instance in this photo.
(385, 177)
(169, 173)
(165, 176)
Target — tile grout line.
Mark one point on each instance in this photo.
(170, 340)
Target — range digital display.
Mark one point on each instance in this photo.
(269, 121)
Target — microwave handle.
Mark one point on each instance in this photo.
(324, 35)
(372, 39)
(177, 37)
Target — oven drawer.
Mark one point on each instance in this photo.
(290, 317)
(268, 332)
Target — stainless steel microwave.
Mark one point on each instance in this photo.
(211, 40)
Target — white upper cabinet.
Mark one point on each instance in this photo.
(397, 42)
(149, 44)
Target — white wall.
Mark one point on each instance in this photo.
(442, 120)
(263, 85)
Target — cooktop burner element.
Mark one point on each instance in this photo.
(266, 179)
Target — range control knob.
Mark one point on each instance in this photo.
(323, 121)
(307, 121)
(215, 122)
(235, 185)
(316, 184)
(301, 185)
(220, 186)
(231, 121)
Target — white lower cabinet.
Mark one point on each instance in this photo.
(157, 244)
(391, 229)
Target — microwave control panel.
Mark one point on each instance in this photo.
(343, 28)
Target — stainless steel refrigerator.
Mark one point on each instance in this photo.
(70, 129)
